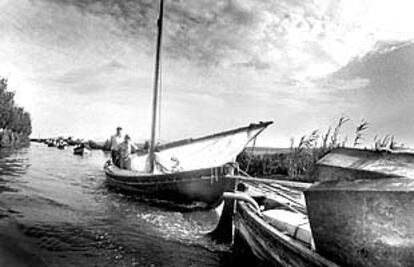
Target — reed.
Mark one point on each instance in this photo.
(299, 163)
(359, 131)
(386, 143)
(312, 147)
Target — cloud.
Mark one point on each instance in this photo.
(247, 59)
(254, 63)
(292, 39)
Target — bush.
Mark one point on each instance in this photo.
(12, 117)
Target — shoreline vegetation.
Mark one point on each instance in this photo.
(15, 122)
(296, 163)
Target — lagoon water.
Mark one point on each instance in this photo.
(55, 210)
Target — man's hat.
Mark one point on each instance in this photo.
(119, 128)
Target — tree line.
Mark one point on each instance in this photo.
(12, 117)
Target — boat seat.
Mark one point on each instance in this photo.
(271, 204)
(295, 224)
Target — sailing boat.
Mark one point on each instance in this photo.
(185, 171)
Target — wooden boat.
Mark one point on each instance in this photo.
(185, 171)
(362, 210)
(359, 213)
(200, 175)
(81, 150)
(275, 234)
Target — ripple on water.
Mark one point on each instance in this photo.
(63, 212)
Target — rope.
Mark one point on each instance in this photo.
(250, 158)
(277, 190)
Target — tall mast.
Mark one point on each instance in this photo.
(156, 89)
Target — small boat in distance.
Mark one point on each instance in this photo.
(61, 144)
(81, 149)
(185, 171)
(51, 143)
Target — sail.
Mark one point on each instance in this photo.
(200, 154)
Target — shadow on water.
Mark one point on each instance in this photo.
(55, 210)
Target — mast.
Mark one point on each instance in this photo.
(156, 90)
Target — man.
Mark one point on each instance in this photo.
(125, 150)
(115, 141)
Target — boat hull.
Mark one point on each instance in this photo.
(81, 151)
(363, 227)
(269, 245)
(205, 185)
(361, 211)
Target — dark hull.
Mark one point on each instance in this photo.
(206, 185)
(269, 245)
(81, 151)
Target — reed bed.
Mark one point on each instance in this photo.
(299, 163)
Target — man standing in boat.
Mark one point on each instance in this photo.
(115, 141)
(125, 150)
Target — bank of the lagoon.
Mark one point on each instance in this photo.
(15, 122)
(56, 210)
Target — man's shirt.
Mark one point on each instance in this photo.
(115, 141)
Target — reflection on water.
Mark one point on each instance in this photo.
(56, 211)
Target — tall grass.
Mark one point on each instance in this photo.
(300, 162)
(359, 131)
(312, 147)
(386, 143)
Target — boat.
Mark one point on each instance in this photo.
(61, 145)
(362, 209)
(51, 143)
(185, 171)
(358, 213)
(274, 232)
(81, 149)
(188, 171)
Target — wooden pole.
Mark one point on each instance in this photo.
(224, 231)
(156, 90)
(300, 185)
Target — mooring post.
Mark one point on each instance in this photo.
(224, 231)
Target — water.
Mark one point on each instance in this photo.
(55, 210)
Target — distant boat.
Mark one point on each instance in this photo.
(51, 143)
(81, 150)
(62, 145)
(184, 171)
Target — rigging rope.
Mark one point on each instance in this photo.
(250, 157)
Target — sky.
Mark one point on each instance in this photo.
(83, 67)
